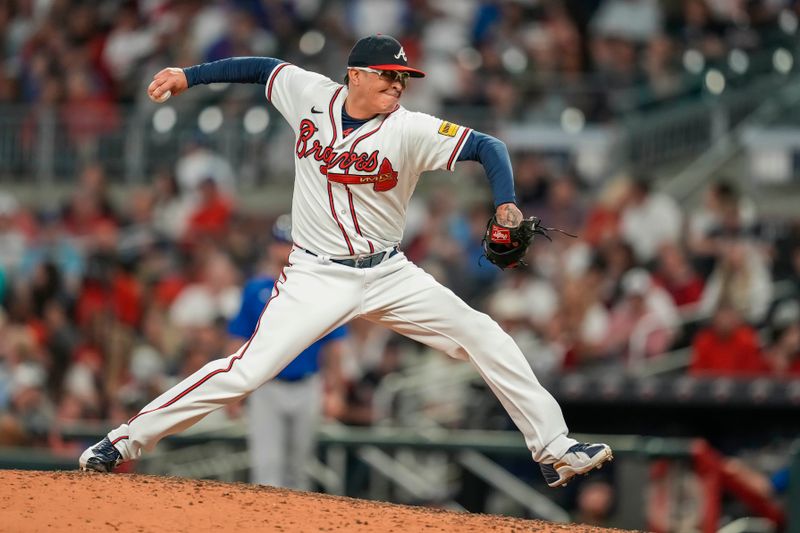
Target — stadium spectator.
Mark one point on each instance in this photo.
(724, 214)
(603, 217)
(199, 163)
(563, 207)
(360, 397)
(644, 323)
(243, 38)
(595, 503)
(52, 244)
(523, 309)
(171, 210)
(156, 350)
(211, 215)
(88, 113)
(727, 347)
(128, 44)
(783, 349)
(12, 240)
(613, 260)
(740, 278)
(581, 324)
(649, 220)
(786, 263)
(214, 294)
(700, 28)
(675, 275)
(531, 180)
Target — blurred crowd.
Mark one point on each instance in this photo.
(108, 301)
(520, 59)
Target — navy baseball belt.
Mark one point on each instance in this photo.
(366, 261)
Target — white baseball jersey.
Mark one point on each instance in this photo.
(362, 182)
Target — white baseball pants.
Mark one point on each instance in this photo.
(312, 297)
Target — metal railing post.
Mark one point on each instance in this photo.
(45, 147)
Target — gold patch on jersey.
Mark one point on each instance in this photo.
(448, 129)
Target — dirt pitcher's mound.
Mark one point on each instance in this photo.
(78, 501)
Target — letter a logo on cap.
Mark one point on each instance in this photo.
(401, 53)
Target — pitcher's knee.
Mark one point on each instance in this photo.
(483, 333)
(244, 379)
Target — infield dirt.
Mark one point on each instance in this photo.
(77, 501)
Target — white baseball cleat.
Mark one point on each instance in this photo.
(580, 458)
(101, 457)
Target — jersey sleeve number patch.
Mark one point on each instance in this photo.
(448, 129)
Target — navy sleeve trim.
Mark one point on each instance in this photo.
(456, 151)
(272, 79)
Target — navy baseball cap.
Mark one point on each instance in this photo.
(381, 52)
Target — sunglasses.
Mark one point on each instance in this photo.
(390, 76)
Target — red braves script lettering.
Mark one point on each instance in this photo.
(384, 180)
(500, 235)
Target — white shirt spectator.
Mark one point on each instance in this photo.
(650, 223)
(742, 278)
(197, 305)
(200, 164)
(634, 20)
(128, 44)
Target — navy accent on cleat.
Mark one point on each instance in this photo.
(579, 459)
(101, 457)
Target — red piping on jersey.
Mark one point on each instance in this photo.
(330, 113)
(355, 219)
(126, 437)
(330, 190)
(455, 150)
(272, 79)
(341, 227)
(218, 371)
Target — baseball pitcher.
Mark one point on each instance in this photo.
(358, 155)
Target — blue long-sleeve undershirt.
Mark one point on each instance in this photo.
(493, 155)
(232, 70)
(485, 149)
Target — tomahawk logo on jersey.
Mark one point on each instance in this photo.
(355, 178)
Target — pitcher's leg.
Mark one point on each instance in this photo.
(430, 313)
(308, 301)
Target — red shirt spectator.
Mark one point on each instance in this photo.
(729, 347)
(212, 215)
(677, 277)
(121, 295)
